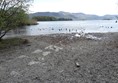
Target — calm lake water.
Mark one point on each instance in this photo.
(52, 27)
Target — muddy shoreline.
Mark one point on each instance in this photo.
(62, 58)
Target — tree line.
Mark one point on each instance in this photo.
(49, 18)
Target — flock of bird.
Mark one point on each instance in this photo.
(63, 29)
(68, 29)
(59, 29)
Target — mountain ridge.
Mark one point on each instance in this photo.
(75, 16)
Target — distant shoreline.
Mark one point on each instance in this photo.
(74, 16)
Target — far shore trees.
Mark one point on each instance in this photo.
(50, 18)
(13, 13)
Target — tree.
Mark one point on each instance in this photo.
(50, 18)
(12, 14)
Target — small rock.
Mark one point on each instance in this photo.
(37, 51)
(71, 37)
(49, 47)
(42, 59)
(33, 63)
(77, 35)
(77, 64)
(37, 78)
(46, 53)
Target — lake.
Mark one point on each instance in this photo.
(52, 27)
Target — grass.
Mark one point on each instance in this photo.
(7, 43)
(29, 22)
(32, 22)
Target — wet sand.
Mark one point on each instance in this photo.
(62, 58)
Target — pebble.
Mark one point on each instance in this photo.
(42, 59)
(77, 35)
(77, 64)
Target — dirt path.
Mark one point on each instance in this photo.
(62, 59)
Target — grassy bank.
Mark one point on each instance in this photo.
(28, 22)
(7, 43)
(31, 22)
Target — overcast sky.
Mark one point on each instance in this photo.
(98, 7)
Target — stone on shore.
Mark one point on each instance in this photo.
(33, 63)
(37, 51)
(46, 53)
(53, 47)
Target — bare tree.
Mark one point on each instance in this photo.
(11, 13)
